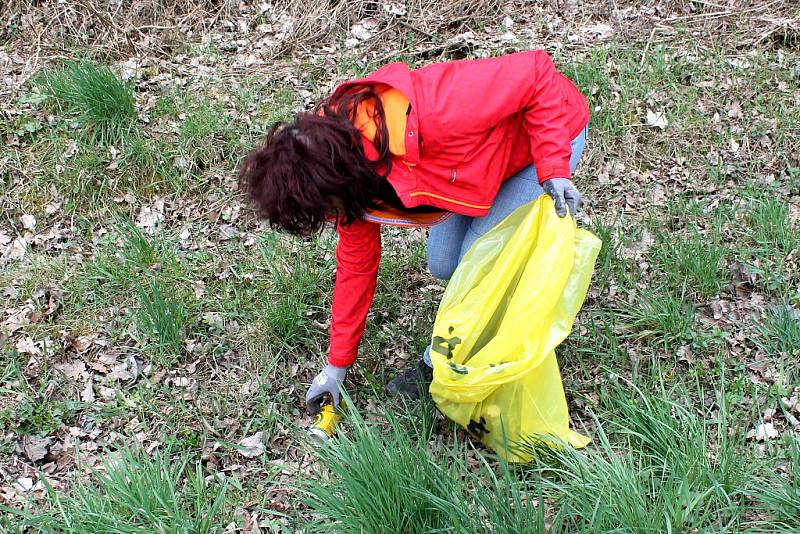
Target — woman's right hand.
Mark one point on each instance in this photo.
(327, 382)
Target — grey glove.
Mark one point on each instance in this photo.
(562, 191)
(325, 383)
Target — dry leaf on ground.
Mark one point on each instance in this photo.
(35, 449)
(253, 446)
(763, 432)
(657, 119)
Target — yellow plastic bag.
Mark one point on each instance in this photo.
(511, 301)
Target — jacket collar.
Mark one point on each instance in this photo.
(398, 76)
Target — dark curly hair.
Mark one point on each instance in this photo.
(313, 168)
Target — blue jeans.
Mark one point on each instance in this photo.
(450, 240)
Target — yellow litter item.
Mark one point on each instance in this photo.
(511, 301)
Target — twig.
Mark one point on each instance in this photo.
(108, 22)
(441, 48)
(154, 27)
(374, 40)
(414, 28)
(711, 4)
(700, 193)
(779, 24)
(44, 31)
(205, 422)
(216, 16)
(647, 47)
(724, 13)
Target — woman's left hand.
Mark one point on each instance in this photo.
(564, 194)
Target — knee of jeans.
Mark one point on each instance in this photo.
(441, 268)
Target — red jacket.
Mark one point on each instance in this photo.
(472, 125)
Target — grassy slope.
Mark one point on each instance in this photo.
(690, 335)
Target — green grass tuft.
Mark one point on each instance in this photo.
(695, 262)
(772, 228)
(414, 489)
(657, 316)
(298, 280)
(779, 336)
(610, 263)
(39, 417)
(398, 497)
(780, 331)
(779, 494)
(102, 102)
(678, 467)
(774, 237)
(137, 249)
(162, 317)
(137, 493)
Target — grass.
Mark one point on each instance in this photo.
(694, 262)
(662, 462)
(780, 331)
(778, 334)
(644, 369)
(162, 492)
(207, 137)
(774, 237)
(95, 145)
(609, 264)
(296, 282)
(398, 495)
(102, 102)
(38, 418)
(162, 318)
(136, 272)
(415, 490)
(137, 250)
(147, 161)
(41, 407)
(601, 339)
(780, 495)
(658, 317)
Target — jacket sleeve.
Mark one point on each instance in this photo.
(482, 93)
(358, 256)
